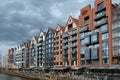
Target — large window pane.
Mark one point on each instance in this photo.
(105, 49)
(100, 6)
(87, 53)
(87, 40)
(104, 36)
(104, 28)
(94, 38)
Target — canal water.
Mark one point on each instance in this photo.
(9, 77)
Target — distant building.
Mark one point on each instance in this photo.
(41, 49)
(49, 47)
(11, 58)
(58, 58)
(18, 57)
(116, 36)
(33, 52)
(70, 43)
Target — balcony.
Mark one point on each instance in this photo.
(100, 22)
(73, 39)
(82, 59)
(100, 15)
(65, 53)
(85, 28)
(74, 51)
(65, 59)
(100, 10)
(65, 35)
(65, 41)
(65, 47)
(74, 58)
(74, 32)
(74, 45)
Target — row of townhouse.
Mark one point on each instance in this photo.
(90, 40)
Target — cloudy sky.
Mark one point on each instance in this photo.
(21, 19)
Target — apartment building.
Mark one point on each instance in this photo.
(18, 56)
(33, 52)
(27, 54)
(58, 51)
(49, 47)
(70, 43)
(23, 55)
(41, 49)
(11, 58)
(116, 36)
(96, 34)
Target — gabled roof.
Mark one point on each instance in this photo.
(72, 20)
(36, 38)
(61, 27)
(45, 33)
(53, 30)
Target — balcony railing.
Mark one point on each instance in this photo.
(99, 15)
(101, 22)
(85, 28)
(65, 53)
(74, 58)
(65, 47)
(74, 51)
(65, 35)
(65, 59)
(74, 32)
(74, 45)
(65, 41)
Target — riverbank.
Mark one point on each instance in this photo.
(36, 76)
(22, 75)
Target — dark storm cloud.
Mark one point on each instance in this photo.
(21, 19)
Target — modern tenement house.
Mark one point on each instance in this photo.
(27, 48)
(58, 51)
(23, 55)
(11, 58)
(96, 34)
(116, 36)
(70, 43)
(41, 49)
(18, 57)
(33, 52)
(49, 48)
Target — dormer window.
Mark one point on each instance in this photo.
(58, 32)
(100, 6)
(86, 19)
(70, 27)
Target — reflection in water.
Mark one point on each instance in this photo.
(8, 77)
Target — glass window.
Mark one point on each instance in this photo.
(82, 42)
(94, 53)
(87, 40)
(104, 28)
(105, 49)
(87, 53)
(104, 36)
(94, 38)
(81, 35)
(82, 50)
(100, 6)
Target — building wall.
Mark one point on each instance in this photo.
(58, 56)
(95, 34)
(41, 50)
(11, 58)
(70, 43)
(49, 46)
(33, 53)
(115, 36)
